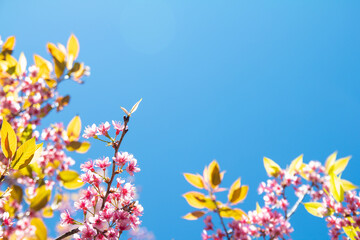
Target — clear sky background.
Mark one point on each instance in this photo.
(226, 80)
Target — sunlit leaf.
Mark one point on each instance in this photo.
(350, 232)
(22, 62)
(339, 166)
(41, 198)
(73, 48)
(214, 174)
(8, 45)
(258, 208)
(79, 147)
(74, 129)
(51, 82)
(45, 67)
(330, 161)
(271, 167)
(125, 111)
(198, 200)
(296, 164)
(26, 133)
(135, 107)
(236, 213)
(47, 212)
(194, 215)
(41, 231)
(237, 193)
(347, 185)
(17, 193)
(59, 59)
(313, 208)
(336, 188)
(38, 152)
(195, 180)
(68, 175)
(70, 179)
(8, 139)
(24, 154)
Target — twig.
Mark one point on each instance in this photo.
(116, 146)
(221, 220)
(68, 234)
(296, 205)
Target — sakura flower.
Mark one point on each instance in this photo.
(87, 232)
(90, 131)
(103, 129)
(132, 167)
(103, 163)
(118, 126)
(66, 218)
(122, 158)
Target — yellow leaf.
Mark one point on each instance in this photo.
(16, 193)
(74, 129)
(8, 140)
(41, 231)
(330, 161)
(51, 82)
(68, 175)
(198, 200)
(45, 67)
(194, 215)
(271, 167)
(258, 208)
(214, 174)
(75, 184)
(22, 62)
(296, 164)
(73, 48)
(312, 208)
(125, 111)
(59, 59)
(237, 193)
(135, 107)
(78, 71)
(47, 212)
(41, 198)
(195, 180)
(339, 166)
(24, 154)
(348, 186)
(9, 44)
(70, 179)
(236, 213)
(80, 147)
(84, 147)
(350, 232)
(336, 188)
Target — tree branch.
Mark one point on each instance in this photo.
(68, 234)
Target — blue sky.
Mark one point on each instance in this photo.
(226, 80)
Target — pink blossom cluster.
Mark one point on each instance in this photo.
(52, 161)
(25, 99)
(209, 226)
(109, 209)
(272, 221)
(341, 215)
(102, 129)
